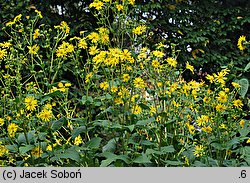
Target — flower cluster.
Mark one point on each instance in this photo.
(124, 99)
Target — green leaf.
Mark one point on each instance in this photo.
(199, 164)
(78, 131)
(247, 159)
(247, 67)
(168, 149)
(12, 148)
(142, 159)
(57, 124)
(70, 153)
(25, 149)
(164, 150)
(108, 96)
(152, 151)
(43, 145)
(94, 143)
(217, 146)
(244, 132)
(107, 162)
(97, 104)
(103, 123)
(145, 122)
(42, 135)
(87, 100)
(51, 95)
(173, 163)
(232, 142)
(244, 85)
(110, 146)
(30, 137)
(130, 127)
(111, 157)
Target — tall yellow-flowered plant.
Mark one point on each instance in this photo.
(127, 99)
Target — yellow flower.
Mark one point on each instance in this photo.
(118, 101)
(9, 23)
(241, 42)
(206, 100)
(132, 2)
(129, 68)
(156, 64)
(220, 107)
(30, 103)
(191, 128)
(159, 84)
(226, 90)
(45, 115)
(158, 53)
(103, 30)
(60, 85)
(222, 97)
(134, 97)
(223, 126)
(48, 106)
(17, 18)
(114, 89)
(189, 67)
(136, 109)
(199, 150)
(88, 77)
(119, 7)
(139, 30)
(242, 123)
(94, 37)
(3, 149)
(238, 103)
(105, 39)
(248, 141)
(3, 53)
(36, 34)
(97, 5)
(82, 44)
(207, 129)
(78, 140)
(236, 85)
(220, 78)
(37, 151)
(158, 119)
(12, 128)
(39, 13)
(64, 49)
(49, 148)
(210, 78)
(67, 84)
(5, 45)
(152, 110)
(125, 77)
(104, 85)
(33, 49)
(63, 26)
(93, 50)
(176, 104)
(9, 118)
(202, 120)
(1, 121)
(171, 61)
(139, 83)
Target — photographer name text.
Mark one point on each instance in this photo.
(43, 174)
